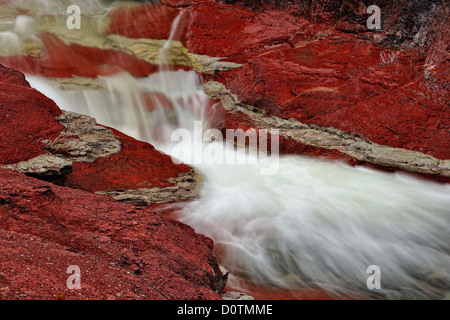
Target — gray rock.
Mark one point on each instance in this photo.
(232, 295)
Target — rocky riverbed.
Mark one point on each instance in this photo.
(78, 192)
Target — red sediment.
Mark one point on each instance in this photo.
(317, 74)
(123, 252)
(341, 82)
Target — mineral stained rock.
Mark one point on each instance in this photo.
(123, 251)
(73, 150)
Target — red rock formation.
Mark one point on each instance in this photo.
(308, 61)
(342, 82)
(333, 73)
(314, 62)
(150, 21)
(123, 252)
(224, 31)
(27, 117)
(137, 165)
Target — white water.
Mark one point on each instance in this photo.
(314, 222)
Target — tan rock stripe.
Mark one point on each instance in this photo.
(331, 138)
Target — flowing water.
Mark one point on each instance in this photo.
(313, 223)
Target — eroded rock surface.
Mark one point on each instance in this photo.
(73, 150)
(327, 83)
(123, 252)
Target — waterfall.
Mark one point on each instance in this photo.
(313, 223)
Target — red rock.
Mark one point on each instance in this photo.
(230, 31)
(222, 120)
(31, 118)
(27, 118)
(332, 73)
(123, 252)
(137, 165)
(402, 22)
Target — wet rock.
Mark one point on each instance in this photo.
(137, 174)
(123, 251)
(27, 118)
(149, 21)
(63, 60)
(321, 76)
(232, 295)
(329, 138)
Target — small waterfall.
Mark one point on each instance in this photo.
(313, 223)
(165, 50)
(10, 43)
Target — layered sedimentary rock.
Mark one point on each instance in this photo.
(122, 252)
(316, 63)
(73, 150)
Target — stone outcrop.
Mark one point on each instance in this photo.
(339, 83)
(316, 64)
(330, 138)
(310, 69)
(73, 150)
(123, 251)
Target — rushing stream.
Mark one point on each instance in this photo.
(312, 223)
